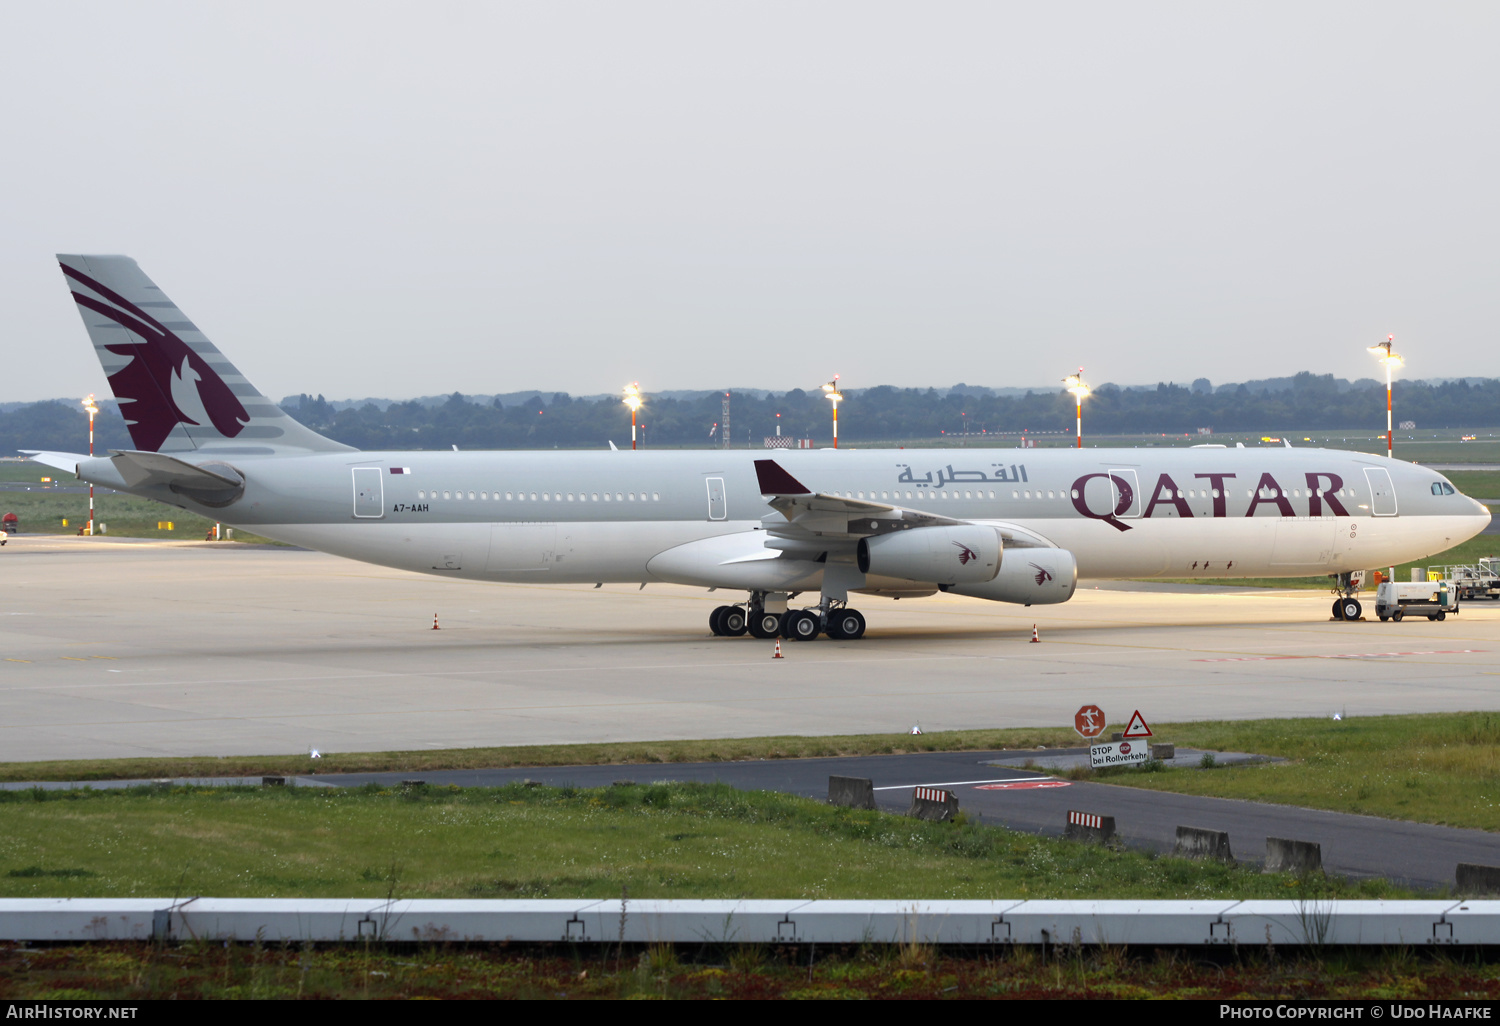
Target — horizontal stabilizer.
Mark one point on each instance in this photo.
(61, 460)
(155, 468)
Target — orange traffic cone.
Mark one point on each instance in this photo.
(435, 623)
(1035, 637)
(778, 654)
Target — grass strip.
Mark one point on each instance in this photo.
(656, 840)
(1439, 768)
(626, 752)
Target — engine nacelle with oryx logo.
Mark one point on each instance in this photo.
(1028, 576)
(964, 554)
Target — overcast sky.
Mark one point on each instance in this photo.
(404, 199)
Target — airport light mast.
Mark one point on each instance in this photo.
(92, 408)
(633, 400)
(1074, 384)
(831, 392)
(1391, 360)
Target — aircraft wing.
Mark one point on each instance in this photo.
(808, 514)
(828, 520)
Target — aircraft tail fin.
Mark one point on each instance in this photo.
(177, 392)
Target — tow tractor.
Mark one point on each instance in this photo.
(1432, 599)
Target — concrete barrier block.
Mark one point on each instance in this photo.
(933, 804)
(853, 792)
(1472, 878)
(1090, 827)
(1163, 752)
(1285, 856)
(1198, 843)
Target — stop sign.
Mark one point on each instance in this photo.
(1089, 721)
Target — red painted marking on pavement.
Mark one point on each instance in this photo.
(1346, 655)
(1023, 785)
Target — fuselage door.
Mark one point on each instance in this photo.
(1382, 492)
(369, 493)
(1122, 481)
(718, 508)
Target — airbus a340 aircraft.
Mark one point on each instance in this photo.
(1002, 524)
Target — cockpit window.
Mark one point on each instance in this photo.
(1441, 488)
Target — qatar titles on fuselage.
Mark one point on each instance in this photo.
(891, 521)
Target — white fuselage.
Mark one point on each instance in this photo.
(619, 516)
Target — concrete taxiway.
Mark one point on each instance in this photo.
(113, 648)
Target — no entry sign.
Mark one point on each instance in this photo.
(1089, 721)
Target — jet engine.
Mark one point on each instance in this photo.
(967, 554)
(1030, 577)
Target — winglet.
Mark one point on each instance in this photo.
(776, 481)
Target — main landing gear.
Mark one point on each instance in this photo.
(834, 619)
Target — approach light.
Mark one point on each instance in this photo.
(1392, 360)
(634, 400)
(1073, 383)
(91, 408)
(831, 392)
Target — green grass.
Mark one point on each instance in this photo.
(1439, 768)
(627, 752)
(658, 840)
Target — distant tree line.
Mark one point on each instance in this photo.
(887, 414)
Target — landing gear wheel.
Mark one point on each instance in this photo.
(733, 623)
(1338, 609)
(714, 619)
(1352, 609)
(1397, 615)
(846, 625)
(800, 626)
(763, 625)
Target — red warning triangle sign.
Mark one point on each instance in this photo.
(1137, 726)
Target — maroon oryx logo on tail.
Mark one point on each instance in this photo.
(164, 382)
(1043, 575)
(965, 554)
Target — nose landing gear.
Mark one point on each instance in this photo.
(1346, 606)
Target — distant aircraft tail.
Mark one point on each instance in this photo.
(177, 392)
